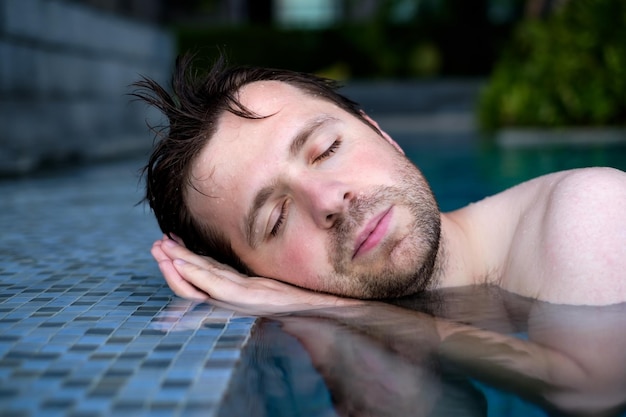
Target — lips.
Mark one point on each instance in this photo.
(373, 233)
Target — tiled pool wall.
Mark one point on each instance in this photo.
(87, 325)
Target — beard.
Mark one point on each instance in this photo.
(412, 268)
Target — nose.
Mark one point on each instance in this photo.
(326, 200)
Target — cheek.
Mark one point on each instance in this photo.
(300, 262)
(377, 159)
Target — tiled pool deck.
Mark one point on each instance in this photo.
(87, 325)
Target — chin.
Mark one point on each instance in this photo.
(412, 271)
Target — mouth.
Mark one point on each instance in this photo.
(373, 233)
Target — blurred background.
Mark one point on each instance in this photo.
(66, 66)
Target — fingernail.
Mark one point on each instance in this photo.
(170, 243)
(179, 261)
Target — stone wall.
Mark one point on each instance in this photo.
(65, 71)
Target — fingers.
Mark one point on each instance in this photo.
(178, 284)
(173, 279)
(219, 284)
(223, 289)
(196, 277)
(173, 251)
(157, 251)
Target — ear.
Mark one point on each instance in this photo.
(382, 132)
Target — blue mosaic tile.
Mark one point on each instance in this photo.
(87, 325)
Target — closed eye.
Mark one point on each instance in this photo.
(281, 219)
(328, 152)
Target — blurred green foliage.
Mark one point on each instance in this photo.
(566, 70)
(446, 37)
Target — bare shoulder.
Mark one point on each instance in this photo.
(597, 181)
(574, 233)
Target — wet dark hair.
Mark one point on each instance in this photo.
(193, 108)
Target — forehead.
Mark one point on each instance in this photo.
(266, 98)
(281, 108)
(240, 150)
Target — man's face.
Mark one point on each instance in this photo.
(313, 196)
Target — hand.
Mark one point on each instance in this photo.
(174, 280)
(202, 278)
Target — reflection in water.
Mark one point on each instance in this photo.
(475, 351)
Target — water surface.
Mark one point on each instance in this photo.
(475, 351)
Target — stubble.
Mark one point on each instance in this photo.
(413, 266)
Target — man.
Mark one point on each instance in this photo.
(276, 174)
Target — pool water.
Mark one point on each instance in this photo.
(463, 168)
(389, 361)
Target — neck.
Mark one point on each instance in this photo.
(458, 259)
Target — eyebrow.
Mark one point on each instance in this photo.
(307, 131)
(263, 195)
